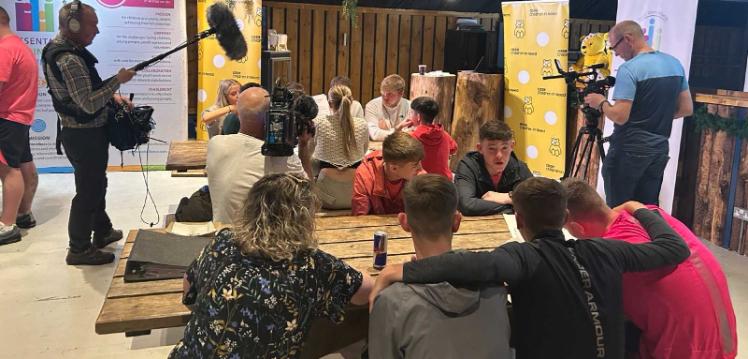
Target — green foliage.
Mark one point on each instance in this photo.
(349, 11)
(713, 122)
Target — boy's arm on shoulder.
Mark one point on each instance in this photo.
(666, 247)
(503, 264)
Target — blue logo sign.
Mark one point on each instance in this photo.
(39, 125)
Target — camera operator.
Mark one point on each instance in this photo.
(235, 162)
(651, 90)
(80, 97)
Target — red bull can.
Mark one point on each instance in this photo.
(380, 249)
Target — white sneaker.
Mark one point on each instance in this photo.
(9, 234)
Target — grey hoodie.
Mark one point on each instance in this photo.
(439, 321)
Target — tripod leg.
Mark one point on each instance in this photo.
(584, 156)
(600, 147)
(572, 160)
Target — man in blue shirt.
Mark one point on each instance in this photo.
(651, 90)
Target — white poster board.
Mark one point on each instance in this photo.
(131, 31)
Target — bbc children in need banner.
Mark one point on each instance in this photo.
(535, 34)
(131, 31)
(213, 65)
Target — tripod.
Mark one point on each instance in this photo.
(581, 161)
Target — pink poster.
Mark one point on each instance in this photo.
(162, 4)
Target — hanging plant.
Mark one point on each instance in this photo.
(713, 122)
(349, 11)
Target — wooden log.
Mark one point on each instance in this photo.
(741, 201)
(719, 181)
(478, 99)
(442, 89)
(702, 185)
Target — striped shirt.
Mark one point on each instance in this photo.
(77, 86)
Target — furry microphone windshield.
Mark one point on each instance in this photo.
(221, 20)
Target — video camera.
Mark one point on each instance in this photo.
(290, 115)
(591, 85)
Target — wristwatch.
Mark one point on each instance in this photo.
(600, 108)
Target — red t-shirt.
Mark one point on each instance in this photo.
(684, 312)
(437, 147)
(20, 75)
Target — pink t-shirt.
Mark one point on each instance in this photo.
(20, 75)
(684, 312)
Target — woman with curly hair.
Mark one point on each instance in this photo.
(258, 286)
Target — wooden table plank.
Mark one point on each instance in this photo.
(187, 155)
(142, 313)
(389, 220)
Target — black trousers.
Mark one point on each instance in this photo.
(88, 152)
(633, 176)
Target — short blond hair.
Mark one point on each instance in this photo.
(431, 204)
(277, 220)
(400, 148)
(393, 83)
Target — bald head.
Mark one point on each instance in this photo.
(627, 27)
(251, 108)
(4, 17)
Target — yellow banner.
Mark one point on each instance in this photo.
(212, 63)
(535, 34)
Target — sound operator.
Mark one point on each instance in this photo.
(651, 90)
(80, 96)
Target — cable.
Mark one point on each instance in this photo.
(146, 175)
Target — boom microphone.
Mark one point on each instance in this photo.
(223, 24)
(221, 19)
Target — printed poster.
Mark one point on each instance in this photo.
(535, 34)
(213, 65)
(131, 31)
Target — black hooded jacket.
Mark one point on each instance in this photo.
(473, 181)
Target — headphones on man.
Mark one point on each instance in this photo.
(73, 24)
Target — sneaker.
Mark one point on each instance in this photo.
(9, 234)
(26, 221)
(111, 237)
(91, 256)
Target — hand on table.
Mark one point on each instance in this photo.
(496, 197)
(384, 124)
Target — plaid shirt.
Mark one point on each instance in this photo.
(77, 86)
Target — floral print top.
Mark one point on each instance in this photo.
(253, 307)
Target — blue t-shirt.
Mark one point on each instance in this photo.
(653, 81)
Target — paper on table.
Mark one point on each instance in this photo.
(322, 105)
(511, 222)
(193, 229)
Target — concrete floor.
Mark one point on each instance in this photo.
(48, 309)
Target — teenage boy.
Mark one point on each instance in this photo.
(379, 180)
(486, 178)
(566, 295)
(438, 145)
(682, 313)
(388, 112)
(462, 322)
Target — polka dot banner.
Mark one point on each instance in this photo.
(534, 108)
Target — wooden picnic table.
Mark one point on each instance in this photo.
(187, 155)
(137, 308)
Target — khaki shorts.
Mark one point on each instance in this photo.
(334, 194)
